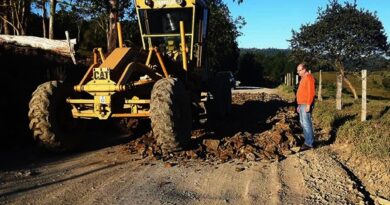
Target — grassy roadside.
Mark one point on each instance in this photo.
(372, 137)
(286, 92)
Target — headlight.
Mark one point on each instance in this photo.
(180, 2)
(149, 3)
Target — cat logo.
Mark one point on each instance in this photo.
(101, 73)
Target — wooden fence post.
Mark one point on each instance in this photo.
(71, 47)
(285, 79)
(292, 78)
(288, 79)
(339, 91)
(364, 95)
(320, 87)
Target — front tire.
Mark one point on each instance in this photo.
(51, 121)
(219, 101)
(170, 114)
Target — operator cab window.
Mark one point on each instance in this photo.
(165, 21)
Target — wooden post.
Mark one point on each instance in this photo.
(292, 79)
(71, 48)
(364, 95)
(285, 79)
(339, 91)
(320, 86)
(288, 79)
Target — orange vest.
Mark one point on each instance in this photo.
(306, 90)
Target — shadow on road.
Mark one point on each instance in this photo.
(30, 155)
(249, 117)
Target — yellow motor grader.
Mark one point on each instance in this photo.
(162, 81)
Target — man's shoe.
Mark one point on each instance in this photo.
(305, 147)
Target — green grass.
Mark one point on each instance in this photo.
(378, 84)
(286, 92)
(371, 138)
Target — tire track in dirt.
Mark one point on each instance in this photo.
(110, 176)
(61, 181)
(293, 184)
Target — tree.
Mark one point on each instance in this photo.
(222, 47)
(41, 4)
(274, 64)
(250, 71)
(53, 5)
(5, 16)
(106, 13)
(343, 36)
(15, 13)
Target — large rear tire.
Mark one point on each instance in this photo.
(219, 101)
(51, 121)
(170, 114)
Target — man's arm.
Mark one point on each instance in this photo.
(310, 92)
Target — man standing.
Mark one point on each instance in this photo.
(305, 100)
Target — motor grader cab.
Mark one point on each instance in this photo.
(163, 81)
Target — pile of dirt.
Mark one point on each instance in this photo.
(273, 144)
(241, 98)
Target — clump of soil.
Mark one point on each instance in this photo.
(270, 144)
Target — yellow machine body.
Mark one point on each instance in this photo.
(119, 86)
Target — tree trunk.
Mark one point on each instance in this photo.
(25, 15)
(14, 17)
(57, 47)
(112, 32)
(364, 95)
(350, 86)
(6, 8)
(339, 91)
(340, 68)
(320, 87)
(19, 14)
(53, 4)
(44, 14)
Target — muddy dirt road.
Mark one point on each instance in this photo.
(108, 174)
(112, 176)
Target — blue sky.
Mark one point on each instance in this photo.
(269, 22)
